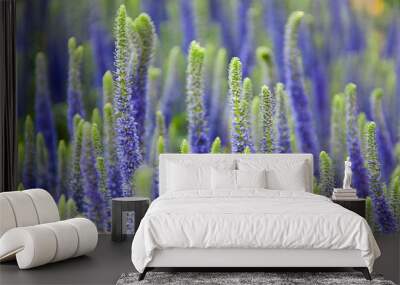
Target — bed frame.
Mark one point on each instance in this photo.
(246, 258)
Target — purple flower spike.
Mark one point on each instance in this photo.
(93, 202)
(127, 138)
(157, 11)
(275, 21)
(382, 212)
(188, 24)
(44, 116)
(29, 172)
(306, 139)
(102, 46)
(198, 131)
(74, 92)
(384, 143)
(143, 27)
(247, 52)
(360, 175)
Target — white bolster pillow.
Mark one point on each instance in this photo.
(33, 246)
(7, 218)
(22, 207)
(46, 208)
(67, 240)
(40, 244)
(87, 235)
(26, 208)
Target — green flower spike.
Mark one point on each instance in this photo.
(184, 147)
(326, 174)
(264, 56)
(216, 146)
(266, 112)
(108, 92)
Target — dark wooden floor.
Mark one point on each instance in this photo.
(110, 260)
(103, 266)
(389, 262)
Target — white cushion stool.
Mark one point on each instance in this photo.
(31, 230)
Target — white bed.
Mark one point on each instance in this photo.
(250, 227)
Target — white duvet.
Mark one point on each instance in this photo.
(250, 219)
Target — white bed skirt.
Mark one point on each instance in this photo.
(191, 257)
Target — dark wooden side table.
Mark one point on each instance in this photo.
(356, 205)
(123, 206)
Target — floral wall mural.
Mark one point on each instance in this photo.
(105, 86)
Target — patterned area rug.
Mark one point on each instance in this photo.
(242, 278)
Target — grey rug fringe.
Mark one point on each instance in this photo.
(243, 278)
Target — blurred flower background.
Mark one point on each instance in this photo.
(105, 86)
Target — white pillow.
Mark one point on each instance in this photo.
(181, 177)
(282, 174)
(193, 174)
(223, 179)
(251, 178)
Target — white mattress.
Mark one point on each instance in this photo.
(253, 219)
